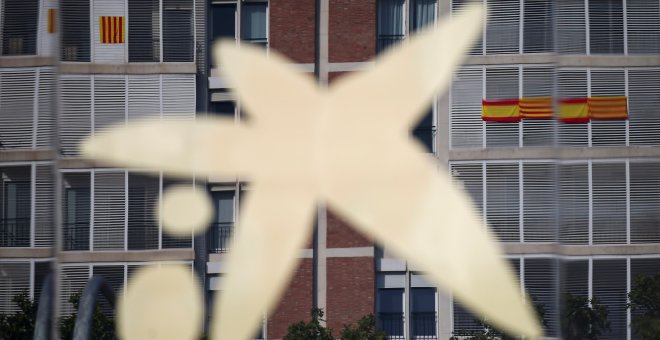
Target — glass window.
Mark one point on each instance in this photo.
(75, 35)
(422, 13)
(423, 318)
(178, 34)
(606, 26)
(390, 23)
(425, 131)
(390, 311)
(77, 202)
(253, 23)
(226, 109)
(223, 24)
(221, 230)
(19, 26)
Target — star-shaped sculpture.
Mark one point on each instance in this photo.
(348, 146)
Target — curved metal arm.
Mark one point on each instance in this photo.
(45, 310)
(85, 319)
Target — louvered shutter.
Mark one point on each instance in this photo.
(46, 116)
(171, 241)
(609, 287)
(575, 278)
(114, 277)
(645, 267)
(73, 279)
(539, 202)
(47, 41)
(471, 177)
(502, 83)
(109, 210)
(645, 202)
(75, 36)
(503, 201)
(542, 285)
(178, 36)
(503, 27)
(143, 30)
(143, 193)
(538, 26)
(571, 27)
(41, 271)
(16, 206)
(456, 9)
(538, 82)
(609, 202)
(76, 217)
(15, 279)
(574, 203)
(75, 116)
(143, 97)
(17, 107)
(644, 106)
(572, 83)
(643, 26)
(109, 102)
(465, 120)
(108, 53)
(608, 83)
(19, 27)
(606, 26)
(201, 34)
(44, 220)
(179, 96)
(464, 322)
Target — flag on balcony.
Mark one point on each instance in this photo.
(502, 110)
(111, 29)
(573, 110)
(536, 108)
(608, 108)
(51, 20)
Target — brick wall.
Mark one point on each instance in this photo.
(342, 235)
(291, 29)
(350, 293)
(352, 30)
(295, 303)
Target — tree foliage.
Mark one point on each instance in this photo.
(19, 325)
(364, 330)
(645, 300)
(103, 326)
(583, 319)
(312, 330)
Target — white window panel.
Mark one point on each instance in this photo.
(466, 95)
(114, 276)
(503, 200)
(14, 280)
(75, 116)
(539, 202)
(538, 81)
(609, 202)
(575, 277)
(17, 107)
(44, 205)
(538, 29)
(609, 287)
(179, 96)
(109, 101)
(46, 119)
(643, 26)
(503, 27)
(571, 31)
(75, 34)
(144, 30)
(608, 83)
(572, 83)
(574, 203)
(143, 97)
(471, 177)
(502, 83)
(645, 202)
(18, 27)
(76, 220)
(109, 210)
(456, 9)
(606, 27)
(143, 195)
(644, 106)
(542, 285)
(178, 35)
(72, 281)
(108, 53)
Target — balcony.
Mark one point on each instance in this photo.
(392, 324)
(15, 232)
(386, 41)
(219, 237)
(76, 236)
(423, 326)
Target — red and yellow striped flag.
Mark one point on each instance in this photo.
(503, 110)
(608, 108)
(536, 108)
(573, 110)
(111, 29)
(51, 20)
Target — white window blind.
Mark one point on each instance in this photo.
(609, 202)
(46, 118)
(72, 281)
(44, 195)
(143, 199)
(75, 116)
(109, 101)
(18, 29)
(471, 177)
(542, 285)
(503, 200)
(609, 82)
(502, 83)
(643, 26)
(538, 30)
(466, 94)
(75, 35)
(109, 210)
(77, 210)
(645, 202)
(15, 279)
(144, 30)
(539, 202)
(143, 97)
(456, 9)
(571, 31)
(572, 83)
(609, 286)
(17, 107)
(606, 26)
(178, 96)
(178, 34)
(575, 278)
(573, 203)
(114, 276)
(503, 27)
(538, 81)
(644, 106)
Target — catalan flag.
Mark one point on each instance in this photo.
(51, 20)
(111, 29)
(536, 108)
(608, 108)
(573, 110)
(504, 110)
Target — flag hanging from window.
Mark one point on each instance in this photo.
(111, 29)
(536, 108)
(503, 110)
(51, 20)
(608, 108)
(573, 110)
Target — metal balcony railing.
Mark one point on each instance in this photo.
(15, 232)
(386, 41)
(76, 236)
(423, 325)
(392, 324)
(219, 237)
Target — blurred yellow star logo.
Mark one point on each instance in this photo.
(347, 146)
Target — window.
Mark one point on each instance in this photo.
(606, 26)
(19, 26)
(144, 30)
(390, 312)
(221, 229)
(178, 37)
(424, 132)
(538, 26)
(423, 318)
(16, 207)
(422, 13)
(76, 211)
(253, 23)
(390, 24)
(223, 108)
(143, 193)
(75, 36)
